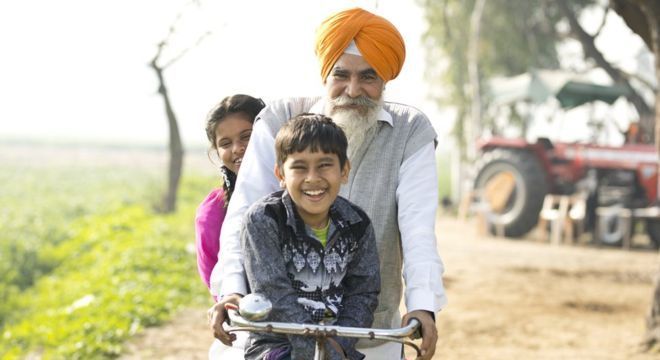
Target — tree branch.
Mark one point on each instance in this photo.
(184, 51)
(641, 80)
(170, 32)
(591, 51)
(603, 22)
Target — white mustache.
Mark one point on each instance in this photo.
(344, 100)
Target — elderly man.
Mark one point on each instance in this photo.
(393, 178)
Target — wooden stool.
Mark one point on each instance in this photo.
(577, 213)
(555, 212)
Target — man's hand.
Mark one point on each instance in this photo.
(429, 332)
(217, 315)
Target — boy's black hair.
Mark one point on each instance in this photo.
(314, 132)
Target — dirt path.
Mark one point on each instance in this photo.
(507, 300)
(185, 337)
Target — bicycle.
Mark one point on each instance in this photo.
(253, 308)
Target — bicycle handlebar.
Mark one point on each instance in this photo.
(239, 323)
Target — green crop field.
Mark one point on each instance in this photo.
(84, 260)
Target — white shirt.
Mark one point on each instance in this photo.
(416, 196)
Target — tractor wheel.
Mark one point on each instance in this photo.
(520, 213)
(653, 229)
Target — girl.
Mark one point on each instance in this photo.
(228, 128)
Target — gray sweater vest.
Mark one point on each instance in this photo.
(372, 185)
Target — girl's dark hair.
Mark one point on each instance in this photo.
(230, 105)
(312, 132)
(235, 104)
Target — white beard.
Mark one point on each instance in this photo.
(359, 126)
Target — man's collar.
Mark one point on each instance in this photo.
(319, 108)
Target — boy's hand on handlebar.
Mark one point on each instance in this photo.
(217, 315)
(429, 332)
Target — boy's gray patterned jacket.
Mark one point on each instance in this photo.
(305, 280)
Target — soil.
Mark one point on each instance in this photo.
(508, 299)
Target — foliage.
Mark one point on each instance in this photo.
(89, 264)
(515, 37)
(40, 202)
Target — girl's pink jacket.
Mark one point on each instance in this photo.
(208, 223)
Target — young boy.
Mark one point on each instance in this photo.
(310, 252)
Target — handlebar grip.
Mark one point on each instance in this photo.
(418, 330)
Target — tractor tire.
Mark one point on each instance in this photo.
(653, 230)
(521, 212)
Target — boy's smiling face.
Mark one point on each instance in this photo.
(313, 179)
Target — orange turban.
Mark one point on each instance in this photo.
(378, 40)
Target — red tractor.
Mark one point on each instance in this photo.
(611, 181)
(624, 177)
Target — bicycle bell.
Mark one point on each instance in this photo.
(254, 307)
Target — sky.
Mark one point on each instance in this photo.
(77, 71)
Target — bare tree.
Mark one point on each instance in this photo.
(643, 17)
(175, 145)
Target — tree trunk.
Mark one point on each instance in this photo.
(175, 146)
(473, 73)
(652, 340)
(651, 10)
